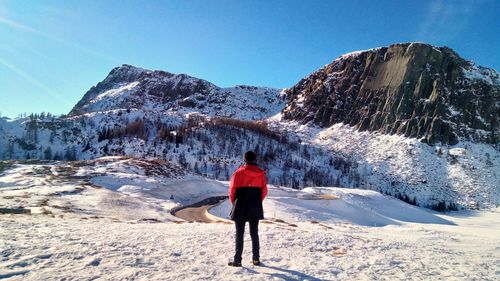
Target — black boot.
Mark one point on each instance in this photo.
(256, 262)
(235, 264)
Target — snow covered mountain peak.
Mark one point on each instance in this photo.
(130, 87)
(127, 70)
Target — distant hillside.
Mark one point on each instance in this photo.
(410, 120)
(129, 87)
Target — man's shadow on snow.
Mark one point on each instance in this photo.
(287, 274)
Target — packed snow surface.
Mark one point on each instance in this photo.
(44, 248)
(109, 219)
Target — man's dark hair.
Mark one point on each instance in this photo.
(250, 157)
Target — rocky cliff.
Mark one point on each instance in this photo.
(412, 89)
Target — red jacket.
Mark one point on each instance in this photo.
(248, 176)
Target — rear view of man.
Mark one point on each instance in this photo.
(247, 190)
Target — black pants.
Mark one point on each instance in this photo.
(254, 234)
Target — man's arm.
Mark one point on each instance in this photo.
(264, 187)
(232, 188)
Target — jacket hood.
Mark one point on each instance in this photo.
(251, 170)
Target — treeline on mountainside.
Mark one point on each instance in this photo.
(28, 142)
(213, 148)
(440, 206)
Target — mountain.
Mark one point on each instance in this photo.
(413, 89)
(413, 121)
(129, 87)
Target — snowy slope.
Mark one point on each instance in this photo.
(114, 186)
(466, 174)
(117, 188)
(353, 206)
(108, 219)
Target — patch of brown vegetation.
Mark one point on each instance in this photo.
(339, 252)
(150, 220)
(66, 208)
(46, 211)
(43, 202)
(328, 197)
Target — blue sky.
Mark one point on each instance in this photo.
(52, 52)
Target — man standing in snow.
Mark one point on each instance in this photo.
(247, 190)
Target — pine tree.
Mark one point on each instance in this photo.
(57, 156)
(47, 153)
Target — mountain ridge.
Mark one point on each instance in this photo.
(204, 129)
(128, 87)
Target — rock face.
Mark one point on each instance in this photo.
(412, 89)
(131, 87)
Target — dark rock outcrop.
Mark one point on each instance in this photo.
(411, 89)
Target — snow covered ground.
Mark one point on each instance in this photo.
(353, 206)
(42, 248)
(109, 219)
